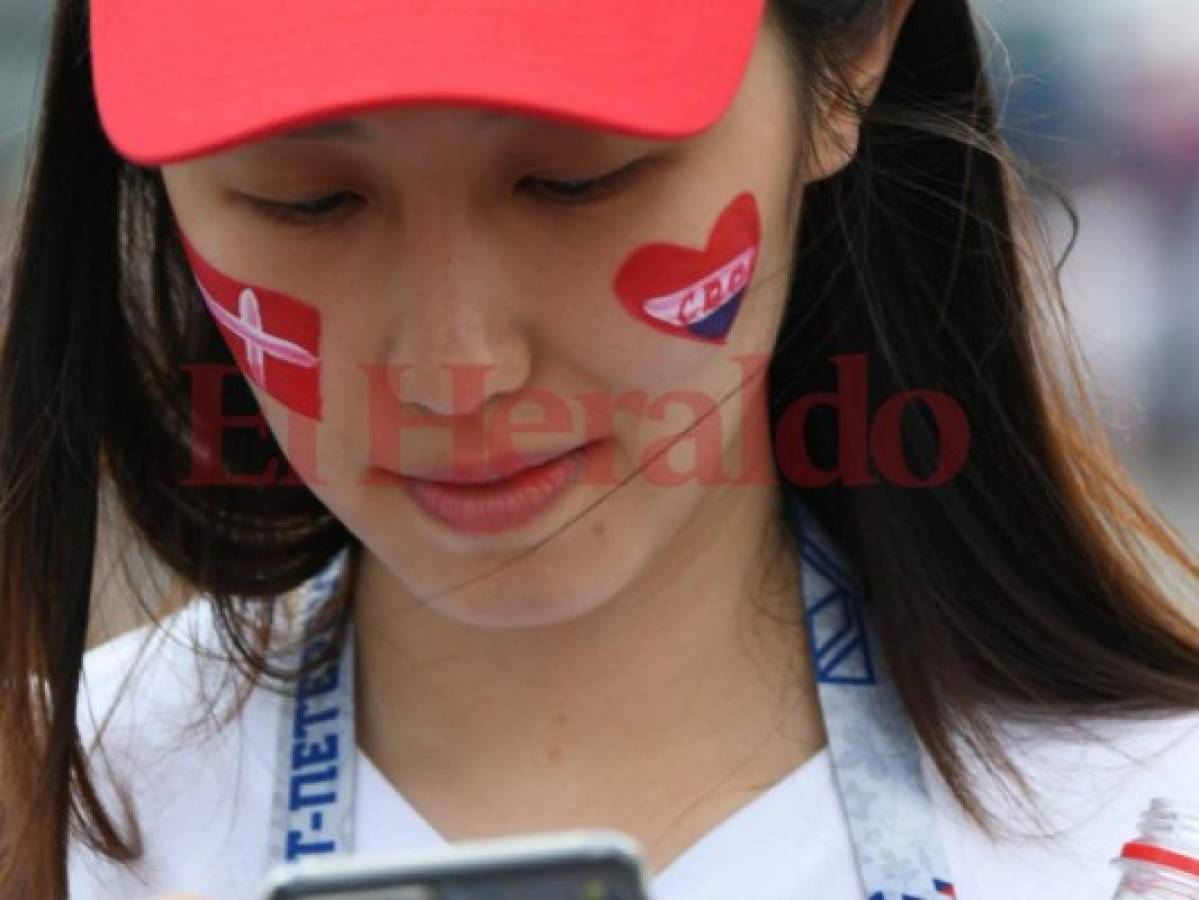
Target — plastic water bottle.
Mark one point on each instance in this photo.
(1162, 862)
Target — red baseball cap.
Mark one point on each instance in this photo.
(180, 78)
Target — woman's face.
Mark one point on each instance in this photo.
(454, 292)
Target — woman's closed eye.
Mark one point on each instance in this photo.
(329, 207)
(314, 211)
(581, 190)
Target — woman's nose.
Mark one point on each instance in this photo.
(457, 323)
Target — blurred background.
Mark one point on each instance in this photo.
(1102, 96)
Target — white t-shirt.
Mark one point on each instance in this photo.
(204, 801)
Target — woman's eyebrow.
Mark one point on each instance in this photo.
(347, 129)
(355, 130)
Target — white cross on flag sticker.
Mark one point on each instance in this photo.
(273, 338)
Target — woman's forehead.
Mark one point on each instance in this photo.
(470, 122)
(365, 124)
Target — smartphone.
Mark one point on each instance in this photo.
(560, 865)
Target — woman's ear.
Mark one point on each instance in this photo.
(836, 140)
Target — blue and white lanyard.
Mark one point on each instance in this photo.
(876, 758)
(312, 812)
(875, 755)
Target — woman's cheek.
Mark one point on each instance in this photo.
(694, 294)
(664, 321)
(667, 360)
(275, 339)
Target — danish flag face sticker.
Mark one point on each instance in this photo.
(273, 338)
(695, 293)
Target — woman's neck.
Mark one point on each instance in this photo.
(619, 715)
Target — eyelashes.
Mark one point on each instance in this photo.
(317, 211)
(330, 207)
(583, 189)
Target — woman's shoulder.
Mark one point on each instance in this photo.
(151, 715)
(1081, 758)
(165, 668)
(149, 674)
(1091, 780)
(171, 688)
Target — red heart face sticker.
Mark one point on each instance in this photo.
(692, 293)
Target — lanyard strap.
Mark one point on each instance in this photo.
(313, 805)
(875, 754)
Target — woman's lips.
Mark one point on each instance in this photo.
(494, 506)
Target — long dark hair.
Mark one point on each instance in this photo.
(915, 255)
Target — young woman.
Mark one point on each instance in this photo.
(643, 415)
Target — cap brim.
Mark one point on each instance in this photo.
(182, 78)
